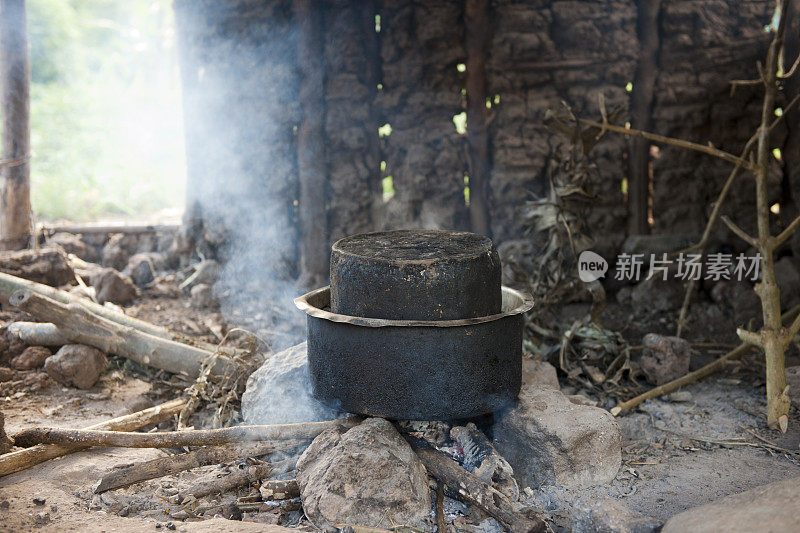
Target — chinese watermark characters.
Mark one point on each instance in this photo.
(687, 267)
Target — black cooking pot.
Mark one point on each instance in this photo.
(415, 275)
(415, 369)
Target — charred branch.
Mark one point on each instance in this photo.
(476, 36)
(641, 112)
(311, 166)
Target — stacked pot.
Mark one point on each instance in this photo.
(415, 325)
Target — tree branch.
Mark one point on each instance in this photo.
(710, 150)
(786, 233)
(739, 232)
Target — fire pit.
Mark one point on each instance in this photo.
(414, 359)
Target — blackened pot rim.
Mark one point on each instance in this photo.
(400, 263)
(314, 303)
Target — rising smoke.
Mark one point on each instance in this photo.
(241, 120)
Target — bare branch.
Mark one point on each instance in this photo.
(739, 232)
(785, 234)
(793, 329)
(749, 337)
(792, 70)
(710, 150)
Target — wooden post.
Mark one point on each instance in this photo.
(15, 75)
(641, 116)
(311, 143)
(476, 36)
(372, 51)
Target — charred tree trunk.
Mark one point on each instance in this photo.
(791, 149)
(641, 116)
(15, 75)
(310, 144)
(476, 26)
(372, 49)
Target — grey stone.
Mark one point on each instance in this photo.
(363, 476)
(141, 269)
(112, 286)
(32, 357)
(664, 358)
(280, 391)
(76, 365)
(610, 516)
(656, 295)
(73, 244)
(548, 439)
(118, 249)
(202, 296)
(772, 507)
(539, 374)
(6, 374)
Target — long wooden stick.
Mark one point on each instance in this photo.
(165, 466)
(81, 326)
(22, 459)
(661, 139)
(11, 284)
(473, 490)
(175, 439)
(94, 229)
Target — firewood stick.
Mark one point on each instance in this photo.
(10, 284)
(175, 439)
(164, 466)
(21, 459)
(473, 490)
(38, 333)
(95, 229)
(81, 326)
(237, 479)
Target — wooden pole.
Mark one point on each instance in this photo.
(177, 439)
(21, 459)
(641, 116)
(476, 29)
(311, 144)
(15, 75)
(372, 72)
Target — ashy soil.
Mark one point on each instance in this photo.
(678, 452)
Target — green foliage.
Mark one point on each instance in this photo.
(105, 108)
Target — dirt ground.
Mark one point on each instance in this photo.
(678, 452)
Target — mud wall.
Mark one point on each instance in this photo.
(705, 45)
(394, 80)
